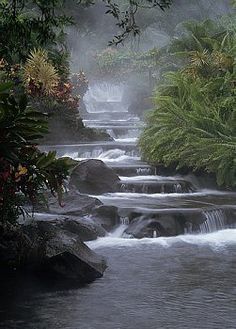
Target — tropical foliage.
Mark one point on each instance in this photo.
(24, 171)
(119, 64)
(29, 24)
(40, 76)
(194, 120)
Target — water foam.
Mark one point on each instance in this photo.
(114, 155)
(130, 195)
(150, 177)
(126, 140)
(216, 240)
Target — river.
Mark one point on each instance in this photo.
(178, 282)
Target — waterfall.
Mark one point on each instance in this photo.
(143, 171)
(105, 92)
(94, 153)
(133, 153)
(144, 188)
(105, 97)
(111, 133)
(123, 188)
(127, 188)
(124, 220)
(215, 220)
(118, 232)
(178, 188)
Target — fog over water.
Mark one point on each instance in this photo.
(152, 281)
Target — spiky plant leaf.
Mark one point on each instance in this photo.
(40, 71)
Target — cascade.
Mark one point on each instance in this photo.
(105, 92)
(215, 220)
(124, 220)
(143, 171)
(165, 205)
(96, 152)
(119, 231)
(111, 133)
(178, 188)
(105, 97)
(144, 188)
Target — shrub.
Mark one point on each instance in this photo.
(194, 120)
(40, 76)
(25, 172)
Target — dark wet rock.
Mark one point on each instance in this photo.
(78, 215)
(85, 228)
(180, 222)
(161, 186)
(44, 247)
(107, 217)
(74, 204)
(67, 257)
(86, 231)
(87, 134)
(198, 178)
(17, 248)
(94, 177)
(148, 226)
(64, 131)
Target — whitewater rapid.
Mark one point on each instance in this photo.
(217, 240)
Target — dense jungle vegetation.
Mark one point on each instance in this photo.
(194, 120)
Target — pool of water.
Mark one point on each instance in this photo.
(180, 282)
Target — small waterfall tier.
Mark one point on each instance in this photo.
(163, 185)
(105, 97)
(217, 219)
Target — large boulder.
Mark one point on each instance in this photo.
(74, 204)
(85, 228)
(94, 177)
(153, 226)
(45, 248)
(67, 257)
(80, 214)
(17, 248)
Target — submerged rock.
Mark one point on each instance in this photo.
(94, 177)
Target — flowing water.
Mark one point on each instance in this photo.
(185, 281)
